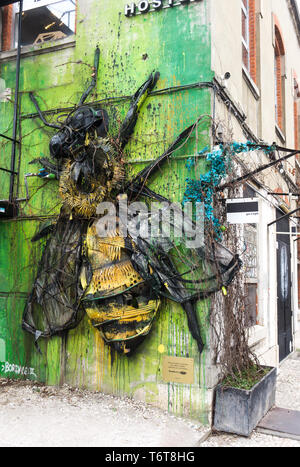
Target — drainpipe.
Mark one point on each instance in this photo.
(16, 107)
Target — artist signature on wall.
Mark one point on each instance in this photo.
(8, 368)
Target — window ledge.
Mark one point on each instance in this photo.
(256, 334)
(46, 47)
(279, 133)
(251, 85)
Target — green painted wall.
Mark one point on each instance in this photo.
(176, 42)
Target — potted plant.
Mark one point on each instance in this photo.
(241, 403)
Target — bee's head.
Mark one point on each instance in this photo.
(70, 140)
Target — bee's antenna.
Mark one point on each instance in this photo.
(94, 79)
(52, 125)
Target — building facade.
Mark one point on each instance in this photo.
(241, 75)
(264, 93)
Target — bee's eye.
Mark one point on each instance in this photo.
(56, 145)
(78, 120)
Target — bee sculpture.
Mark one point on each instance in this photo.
(119, 281)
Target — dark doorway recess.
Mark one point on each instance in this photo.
(284, 287)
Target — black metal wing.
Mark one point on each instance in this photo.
(176, 270)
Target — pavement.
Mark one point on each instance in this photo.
(33, 415)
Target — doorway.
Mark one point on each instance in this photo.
(284, 288)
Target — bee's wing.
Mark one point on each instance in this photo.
(53, 305)
(176, 269)
(181, 266)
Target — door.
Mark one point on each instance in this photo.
(284, 302)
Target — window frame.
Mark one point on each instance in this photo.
(279, 84)
(246, 42)
(249, 43)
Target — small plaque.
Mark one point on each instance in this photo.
(178, 370)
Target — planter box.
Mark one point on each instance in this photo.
(239, 411)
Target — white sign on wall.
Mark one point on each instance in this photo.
(144, 6)
(242, 211)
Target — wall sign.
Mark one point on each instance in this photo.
(144, 6)
(242, 211)
(178, 370)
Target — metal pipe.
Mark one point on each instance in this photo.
(9, 171)
(255, 172)
(283, 217)
(9, 139)
(16, 106)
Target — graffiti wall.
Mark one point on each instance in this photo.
(176, 43)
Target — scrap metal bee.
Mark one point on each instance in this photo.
(117, 280)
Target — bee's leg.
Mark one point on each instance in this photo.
(46, 229)
(142, 190)
(48, 165)
(137, 101)
(190, 309)
(141, 177)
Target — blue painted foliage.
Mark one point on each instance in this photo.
(203, 189)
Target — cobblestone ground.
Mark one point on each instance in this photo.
(287, 397)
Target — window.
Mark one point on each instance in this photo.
(245, 34)
(296, 111)
(42, 21)
(250, 263)
(250, 237)
(249, 37)
(279, 72)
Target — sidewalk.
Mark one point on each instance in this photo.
(35, 415)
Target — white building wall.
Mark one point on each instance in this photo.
(257, 102)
